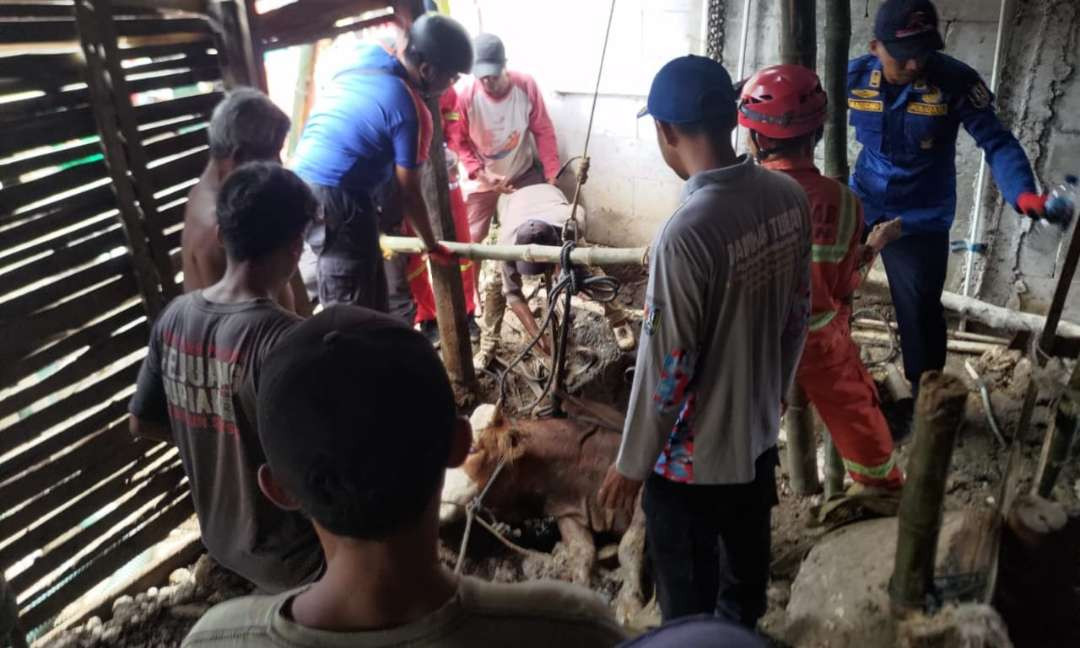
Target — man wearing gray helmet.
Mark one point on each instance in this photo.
(370, 127)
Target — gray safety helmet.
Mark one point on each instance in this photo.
(442, 42)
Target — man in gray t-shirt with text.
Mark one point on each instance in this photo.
(725, 319)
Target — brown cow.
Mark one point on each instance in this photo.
(554, 467)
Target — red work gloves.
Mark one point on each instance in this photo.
(1031, 204)
(441, 255)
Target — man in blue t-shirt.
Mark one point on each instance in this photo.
(370, 127)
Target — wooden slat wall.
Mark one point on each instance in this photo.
(81, 497)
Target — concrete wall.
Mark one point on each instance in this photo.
(630, 190)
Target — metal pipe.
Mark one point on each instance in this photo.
(980, 182)
(742, 63)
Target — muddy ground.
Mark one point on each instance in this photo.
(603, 373)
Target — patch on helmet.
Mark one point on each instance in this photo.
(979, 96)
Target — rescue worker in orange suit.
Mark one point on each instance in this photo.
(784, 107)
(416, 270)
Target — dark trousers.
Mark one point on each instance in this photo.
(916, 266)
(710, 544)
(350, 266)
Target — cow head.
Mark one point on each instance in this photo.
(495, 440)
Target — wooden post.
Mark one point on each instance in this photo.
(97, 22)
(1059, 438)
(801, 446)
(233, 22)
(837, 42)
(94, 21)
(304, 96)
(589, 256)
(798, 26)
(939, 412)
(446, 280)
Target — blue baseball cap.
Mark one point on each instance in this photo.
(908, 28)
(689, 89)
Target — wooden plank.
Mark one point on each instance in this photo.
(179, 170)
(119, 551)
(161, 483)
(40, 222)
(178, 80)
(175, 127)
(25, 430)
(200, 104)
(17, 368)
(11, 198)
(48, 30)
(87, 364)
(177, 144)
(172, 216)
(190, 48)
(35, 107)
(29, 333)
(30, 71)
(193, 58)
(36, 10)
(91, 226)
(52, 128)
(71, 440)
(157, 26)
(11, 171)
(49, 294)
(310, 34)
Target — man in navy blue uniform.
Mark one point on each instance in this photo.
(907, 101)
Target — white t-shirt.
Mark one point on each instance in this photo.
(538, 614)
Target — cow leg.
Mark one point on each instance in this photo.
(631, 600)
(580, 549)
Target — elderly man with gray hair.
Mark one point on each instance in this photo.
(245, 127)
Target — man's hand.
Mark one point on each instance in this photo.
(618, 493)
(884, 233)
(498, 183)
(441, 255)
(1031, 204)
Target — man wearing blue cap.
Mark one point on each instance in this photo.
(907, 101)
(726, 316)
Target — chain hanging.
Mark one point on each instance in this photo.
(714, 45)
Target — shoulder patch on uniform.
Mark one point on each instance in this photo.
(875, 79)
(865, 105)
(866, 94)
(928, 109)
(979, 95)
(932, 95)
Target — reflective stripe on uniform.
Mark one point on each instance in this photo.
(821, 320)
(836, 252)
(874, 472)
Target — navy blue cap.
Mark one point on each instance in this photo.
(697, 632)
(908, 28)
(689, 89)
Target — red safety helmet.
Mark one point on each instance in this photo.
(783, 102)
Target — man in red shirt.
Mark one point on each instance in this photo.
(505, 138)
(784, 109)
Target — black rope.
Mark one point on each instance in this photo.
(572, 281)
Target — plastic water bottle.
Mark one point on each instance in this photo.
(1061, 206)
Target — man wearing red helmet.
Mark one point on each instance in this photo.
(784, 107)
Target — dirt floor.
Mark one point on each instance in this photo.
(162, 617)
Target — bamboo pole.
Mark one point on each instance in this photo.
(880, 338)
(1059, 438)
(938, 415)
(446, 279)
(592, 256)
(801, 447)
(837, 43)
(834, 469)
(798, 27)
